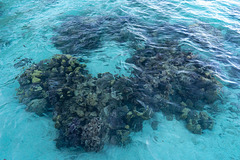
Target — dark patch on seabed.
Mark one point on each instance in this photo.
(81, 34)
(93, 111)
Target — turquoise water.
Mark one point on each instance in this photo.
(213, 28)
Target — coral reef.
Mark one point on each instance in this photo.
(91, 137)
(78, 34)
(92, 111)
(175, 82)
(49, 82)
(88, 111)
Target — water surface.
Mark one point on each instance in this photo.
(209, 29)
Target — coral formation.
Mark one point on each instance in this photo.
(78, 34)
(82, 105)
(49, 80)
(175, 82)
(91, 137)
(92, 111)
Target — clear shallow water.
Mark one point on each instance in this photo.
(213, 33)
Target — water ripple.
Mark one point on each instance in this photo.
(209, 29)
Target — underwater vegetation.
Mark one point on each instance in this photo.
(92, 111)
